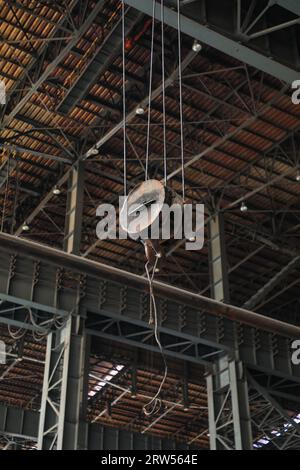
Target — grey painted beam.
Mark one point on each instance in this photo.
(78, 264)
(192, 324)
(220, 42)
(272, 283)
(291, 5)
(74, 210)
(217, 259)
(17, 422)
(101, 60)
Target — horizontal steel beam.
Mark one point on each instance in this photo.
(21, 423)
(272, 283)
(219, 41)
(95, 269)
(291, 5)
(116, 303)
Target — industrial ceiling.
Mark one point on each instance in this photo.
(62, 66)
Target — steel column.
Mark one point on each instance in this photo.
(228, 407)
(218, 265)
(52, 414)
(73, 227)
(227, 390)
(66, 348)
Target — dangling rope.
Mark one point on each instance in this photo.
(180, 98)
(17, 190)
(150, 89)
(155, 403)
(6, 191)
(124, 99)
(163, 87)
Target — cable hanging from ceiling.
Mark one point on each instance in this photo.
(162, 14)
(124, 99)
(150, 90)
(180, 99)
(152, 192)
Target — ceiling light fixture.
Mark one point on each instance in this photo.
(25, 227)
(92, 152)
(56, 191)
(243, 207)
(140, 110)
(197, 47)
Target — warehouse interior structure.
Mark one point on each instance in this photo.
(82, 360)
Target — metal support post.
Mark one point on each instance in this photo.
(228, 407)
(227, 389)
(218, 265)
(53, 403)
(66, 357)
(73, 226)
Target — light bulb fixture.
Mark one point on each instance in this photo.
(192, 239)
(92, 152)
(157, 270)
(197, 47)
(56, 191)
(139, 110)
(298, 177)
(25, 227)
(243, 207)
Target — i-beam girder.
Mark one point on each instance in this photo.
(292, 5)
(219, 41)
(21, 423)
(100, 292)
(272, 283)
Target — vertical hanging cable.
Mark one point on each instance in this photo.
(154, 405)
(150, 89)
(163, 87)
(17, 190)
(124, 98)
(180, 98)
(6, 191)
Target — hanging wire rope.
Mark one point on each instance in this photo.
(155, 403)
(163, 88)
(5, 192)
(16, 196)
(124, 99)
(180, 98)
(150, 89)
